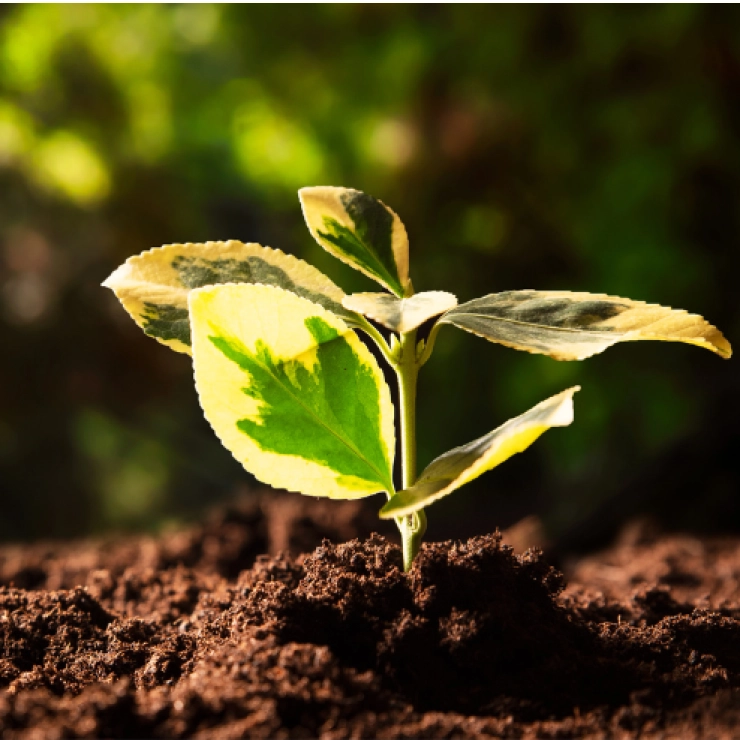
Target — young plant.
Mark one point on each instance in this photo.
(300, 401)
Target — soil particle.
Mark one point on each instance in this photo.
(199, 635)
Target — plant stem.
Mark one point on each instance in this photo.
(407, 371)
(379, 340)
(402, 358)
(407, 368)
(429, 345)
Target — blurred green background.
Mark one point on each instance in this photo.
(555, 147)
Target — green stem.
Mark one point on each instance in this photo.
(379, 340)
(407, 371)
(412, 529)
(407, 368)
(429, 345)
(402, 357)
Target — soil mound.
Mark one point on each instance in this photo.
(471, 623)
(475, 641)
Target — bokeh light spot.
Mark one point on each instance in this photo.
(68, 165)
(270, 149)
(16, 132)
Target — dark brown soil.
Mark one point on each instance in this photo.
(199, 634)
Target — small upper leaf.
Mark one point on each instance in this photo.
(400, 314)
(463, 464)
(154, 286)
(573, 326)
(291, 391)
(361, 231)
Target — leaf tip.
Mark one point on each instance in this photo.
(564, 414)
(112, 281)
(722, 347)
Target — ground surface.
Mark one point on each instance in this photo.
(198, 634)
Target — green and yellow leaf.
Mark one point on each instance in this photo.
(291, 391)
(361, 231)
(463, 464)
(573, 326)
(400, 314)
(154, 286)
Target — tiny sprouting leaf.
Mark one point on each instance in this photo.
(463, 464)
(361, 231)
(154, 286)
(400, 314)
(291, 391)
(573, 326)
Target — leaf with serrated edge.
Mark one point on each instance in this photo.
(573, 326)
(463, 464)
(400, 314)
(361, 231)
(291, 391)
(154, 286)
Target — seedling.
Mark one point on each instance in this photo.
(300, 401)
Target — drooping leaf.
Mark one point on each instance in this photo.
(291, 391)
(463, 464)
(154, 286)
(573, 326)
(400, 314)
(361, 231)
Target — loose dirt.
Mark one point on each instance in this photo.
(201, 634)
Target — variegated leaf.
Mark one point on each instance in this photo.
(291, 391)
(463, 464)
(154, 286)
(361, 231)
(400, 314)
(573, 326)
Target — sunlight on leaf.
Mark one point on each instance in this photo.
(292, 392)
(400, 314)
(154, 286)
(361, 231)
(573, 326)
(464, 464)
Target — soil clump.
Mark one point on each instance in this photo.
(203, 634)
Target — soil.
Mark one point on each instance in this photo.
(250, 626)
